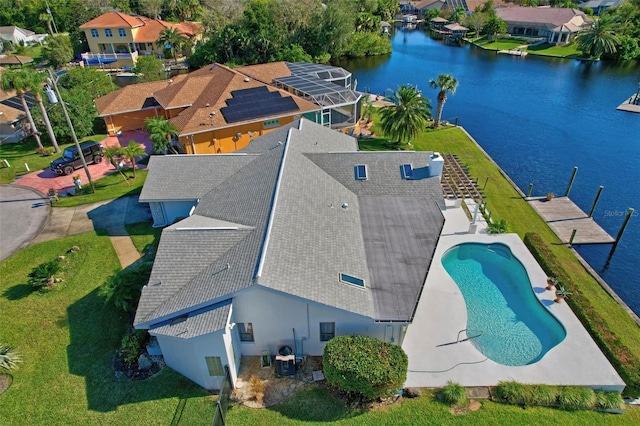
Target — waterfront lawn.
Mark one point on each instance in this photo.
(500, 43)
(614, 326)
(107, 188)
(316, 406)
(17, 154)
(67, 337)
(563, 51)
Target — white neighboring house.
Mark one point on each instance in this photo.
(291, 241)
(17, 35)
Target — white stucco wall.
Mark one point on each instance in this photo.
(166, 212)
(187, 357)
(274, 316)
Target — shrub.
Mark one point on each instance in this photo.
(609, 400)
(257, 386)
(9, 357)
(132, 345)
(510, 392)
(42, 275)
(455, 394)
(576, 398)
(541, 395)
(364, 365)
(123, 288)
(498, 227)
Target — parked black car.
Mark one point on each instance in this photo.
(71, 161)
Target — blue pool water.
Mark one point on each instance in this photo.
(514, 328)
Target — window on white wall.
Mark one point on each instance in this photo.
(214, 364)
(122, 32)
(246, 331)
(327, 331)
(108, 32)
(94, 32)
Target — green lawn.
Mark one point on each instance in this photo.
(317, 406)
(17, 154)
(615, 326)
(500, 44)
(547, 49)
(144, 235)
(67, 338)
(107, 188)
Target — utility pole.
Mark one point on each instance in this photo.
(52, 81)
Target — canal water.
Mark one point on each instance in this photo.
(538, 118)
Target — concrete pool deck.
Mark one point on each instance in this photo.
(430, 341)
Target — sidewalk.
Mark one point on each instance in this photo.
(109, 216)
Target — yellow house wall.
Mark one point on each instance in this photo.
(223, 141)
(129, 120)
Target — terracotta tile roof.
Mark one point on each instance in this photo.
(115, 19)
(266, 72)
(200, 93)
(148, 29)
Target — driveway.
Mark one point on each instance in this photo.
(23, 213)
(43, 180)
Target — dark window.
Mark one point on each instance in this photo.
(327, 331)
(361, 172)
(108, 33)
(246, 331)
(94, 32)
(352, 280)
(214, 364)
(122, 32)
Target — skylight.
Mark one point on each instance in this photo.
(352, 280)
(361, 172)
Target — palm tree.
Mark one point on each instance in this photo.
(160, 131)
(172, 37)
(45, 17)
(18, 81)
(408, 115)
(599, 39)
(447, 84)
(9, 357)
(113, 153)
(132, 151)
(35, 82)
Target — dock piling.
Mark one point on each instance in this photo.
(593, 206)
(573, 176)
(530, 189)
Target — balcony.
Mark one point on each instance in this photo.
(108, 58)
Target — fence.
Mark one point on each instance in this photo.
(223, 399)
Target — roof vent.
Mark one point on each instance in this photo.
(247, 79)
(345, 206)
(207, 105)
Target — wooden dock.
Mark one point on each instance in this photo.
(563, 216)
(630, 105)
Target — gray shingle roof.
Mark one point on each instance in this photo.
(197, 323)
(293, 234)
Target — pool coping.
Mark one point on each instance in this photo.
(442, 313)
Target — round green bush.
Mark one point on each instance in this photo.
(364, 365)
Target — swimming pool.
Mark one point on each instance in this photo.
(510, 325)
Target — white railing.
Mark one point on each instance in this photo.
(117, 56)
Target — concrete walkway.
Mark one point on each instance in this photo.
(107, 216)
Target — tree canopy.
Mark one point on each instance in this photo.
(407, 117)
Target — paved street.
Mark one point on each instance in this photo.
(23, 213)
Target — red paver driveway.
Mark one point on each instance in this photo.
(43, 180)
